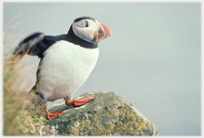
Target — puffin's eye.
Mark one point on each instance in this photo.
(86, 25)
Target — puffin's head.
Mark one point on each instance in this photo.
(90, 30)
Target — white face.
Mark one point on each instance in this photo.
(86, 30)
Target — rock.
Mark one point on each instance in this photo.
(34, 104)
(108, 114)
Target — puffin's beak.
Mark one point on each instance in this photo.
(104, 32)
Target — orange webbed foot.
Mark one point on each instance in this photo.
(80, 102)
(54, 115)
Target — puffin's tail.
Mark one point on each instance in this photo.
(34, 90)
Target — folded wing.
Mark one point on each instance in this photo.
(35, 44)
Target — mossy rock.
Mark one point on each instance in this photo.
(108, 114)
(34, 104)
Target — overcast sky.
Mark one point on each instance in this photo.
(153, 58)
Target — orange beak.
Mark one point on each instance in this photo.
(107, 31)
(104, 32)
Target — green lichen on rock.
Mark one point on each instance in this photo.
(34, 104)
(35, 115)
(107, 115)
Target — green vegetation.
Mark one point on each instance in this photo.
(16, 120)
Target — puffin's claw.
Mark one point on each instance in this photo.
(79, 102)
(54, 115)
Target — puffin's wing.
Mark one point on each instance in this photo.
(35, 44)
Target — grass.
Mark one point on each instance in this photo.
(16, 120)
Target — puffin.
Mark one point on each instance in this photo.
(66, 60)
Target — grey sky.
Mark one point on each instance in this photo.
(153, 58)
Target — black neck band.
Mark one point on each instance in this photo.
(71, 37)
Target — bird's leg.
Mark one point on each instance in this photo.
(54, 115)
(79, 102)
(50, 115)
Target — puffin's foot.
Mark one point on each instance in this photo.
(80, 102)
(54, 115)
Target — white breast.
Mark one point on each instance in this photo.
(65, 67)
